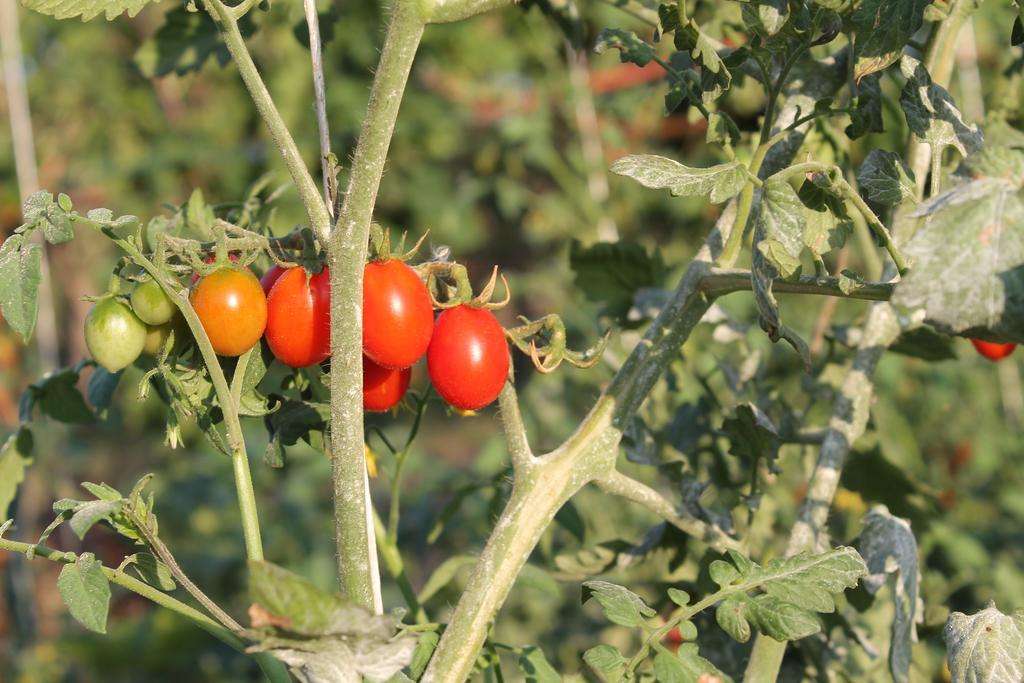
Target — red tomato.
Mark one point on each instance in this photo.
(383, 387)
(232, 308)
(398, 317)
(210, 259)
(468, 357)
(299, 317)
(270, 277)
(993, 351)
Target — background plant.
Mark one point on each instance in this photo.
(710, 429)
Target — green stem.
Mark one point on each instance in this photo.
(347, 256)
(274, 670)
(316, 210)
(396, 567)
(396, 477)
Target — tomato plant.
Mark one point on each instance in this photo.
(114, 335)
(383, 388)
(232, 308)
(709, 505)
(397, 314)
(468, 357)
(299, 317)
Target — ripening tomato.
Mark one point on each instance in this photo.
(232, 308)
(299, 317)
(468, 357)
(398, 317)
(151, 304)
(114, 334)
(993, 351)
(383, 387)
(270, 277)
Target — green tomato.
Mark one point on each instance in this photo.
(114, 335)
(151, 304)
(156, 337)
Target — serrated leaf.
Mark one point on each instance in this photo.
(611, 273)
(780, 223)
(631, 48)
(43, 213)
(971, 243)
(827, 223)
(20, 261)
(987, 647)
(621, 606)
(535, 666)
(86, 9)
(152, 571)
(88, 514)
(884, 178)
(779, 619)
(883, 28)
(888, 546)
(722, 129)
(811, 580)
(307, 609)
(932, 114)
(714, 78)
(86, 592)
(773, 14)
(717, 183)
(604, 658)
(15, 457)
(57, 396)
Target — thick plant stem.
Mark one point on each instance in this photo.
(274, 670)
(849, 420)
(316, 209)
(347, 255)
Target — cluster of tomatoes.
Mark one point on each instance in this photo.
(465, 347)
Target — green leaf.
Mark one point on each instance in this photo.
(41, 212)
(152, 571)
(883, 28)
(827, 223)
(723, 573)
(621, 606)
(717, 183)
(866, 111)
(773, 15)
(681, 598)
(184, 43)
(968, 261)
(810, 580)
(779, 619)
(931, 113)
(57, 396)
(780, 226)
(715, 78)
(86, 591)
(696, 668)
(88, 514)
(20, 261)
(535, 666)
(888, 546)
(987, 646)
(604, 658)
(631, 48)
(86, 9)
(722, 129)
(752, 435)
(15, 457)
(924, 343)
(611, 273)
(730, 616)
(884, 178)
(307, 609)
(444, 575)
(102, 385)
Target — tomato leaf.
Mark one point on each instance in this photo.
(986, 646)
(888, 546)
(15, 457)
(611, 273)
(717, 183)
(86, 592)
(186, 41)
(968, 260)
(620, 605)
(932, 114)
(866, 109)
(884, 178)
(631, 48)
(41, 212)
(86, 9)
(882, 29)
(604, 658)
(57, 396)
(20, 262)
(535, 666)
